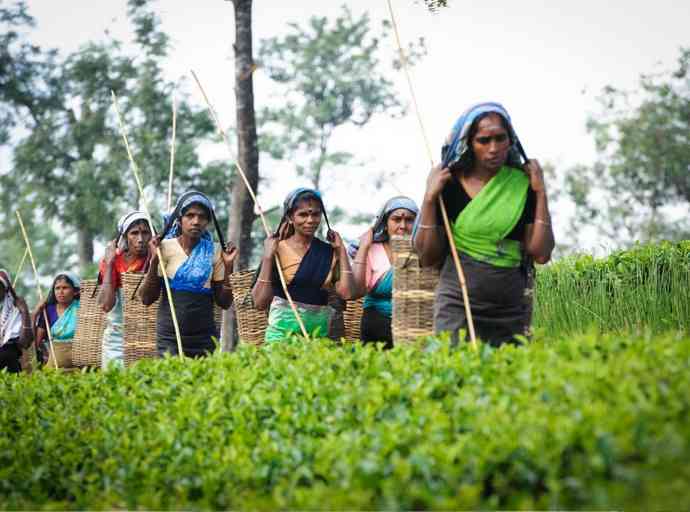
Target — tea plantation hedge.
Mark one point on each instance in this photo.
(587, 422)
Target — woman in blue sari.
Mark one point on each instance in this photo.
(62, 310)
(310, 267)
(373, 273)
(199, 274)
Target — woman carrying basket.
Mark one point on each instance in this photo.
(500, 222)
(127, 253)
(62, 310)
(310, 266)
(373, 273)
(15, 325)
(198, 272)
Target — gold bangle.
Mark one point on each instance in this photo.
(346, 271)
(267, 281)
(359, 262)
(539, 221)
(428, 226)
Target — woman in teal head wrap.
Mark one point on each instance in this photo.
(62, 311)
(498, 210)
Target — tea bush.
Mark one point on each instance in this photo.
(589, 422)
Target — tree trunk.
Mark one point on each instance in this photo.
(84, 248)
(241, 205)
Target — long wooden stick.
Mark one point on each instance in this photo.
(172, 150)
(19, 268)
(38, 286)
(444, 213)
(135, 171)
(223, 134)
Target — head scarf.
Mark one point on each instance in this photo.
(126, 222)
(395, 203)
(10, 317)
(293, 198)
(172, 226)
(71, 277)
(458, 145)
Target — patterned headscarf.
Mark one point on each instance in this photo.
(126, 222)
(10, 316)
(457, 144)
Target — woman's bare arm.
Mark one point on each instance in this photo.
(150, 289)
(539, 239)
(429, 240)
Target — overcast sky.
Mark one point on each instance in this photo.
(545, 61)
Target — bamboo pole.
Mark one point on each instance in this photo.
(38, 287)
(135, 171)
(19, 268)
(442, 206)
(172, 150)
(223, 134)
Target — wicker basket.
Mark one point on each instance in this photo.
(352, 317)
(251, 322)
(139, 321)
(413, 293)
(87, 345)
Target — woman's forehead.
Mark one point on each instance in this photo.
(307, 204)
(196, 209)
(491, 123)
(140, 224)
(402, 212)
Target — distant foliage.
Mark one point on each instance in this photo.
(68, 163)
(643, 139)
(332, 73)
(434, 5)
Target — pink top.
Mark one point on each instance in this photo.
(377, 264)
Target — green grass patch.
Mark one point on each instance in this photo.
(591, 422)
(647, 287)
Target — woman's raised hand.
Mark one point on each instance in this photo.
(536, 175)
(229, 254)
(271, 242)
(335, 240)
(110, 252)
(367, 238)
(154, 244)
(437, 179)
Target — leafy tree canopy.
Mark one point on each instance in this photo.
(643, 141)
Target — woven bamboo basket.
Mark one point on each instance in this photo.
(87, 345)
(251, 322)
(139, 321)
(352, 318)
(414, 291)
